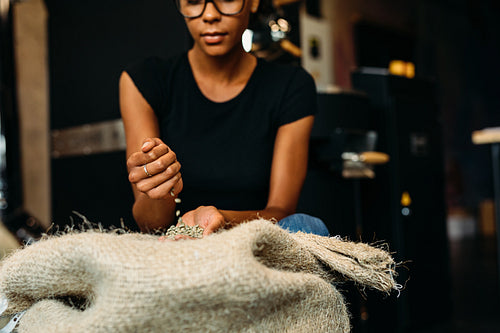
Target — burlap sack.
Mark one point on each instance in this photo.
(254, 278)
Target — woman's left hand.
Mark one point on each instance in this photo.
(207, 217)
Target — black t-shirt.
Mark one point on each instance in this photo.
(225, 149)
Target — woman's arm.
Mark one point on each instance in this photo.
(288, 172)
(154, 206)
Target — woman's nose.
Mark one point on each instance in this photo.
(211, 13)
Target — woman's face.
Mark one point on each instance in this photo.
(216, 34)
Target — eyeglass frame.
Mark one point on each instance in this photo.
(176, 2)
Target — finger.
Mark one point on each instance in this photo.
(150, 143)
(164, 164)
(208, 230)
(183, 237)
(188, 219)
(137, 160)
(147, 145)
(148, 183)
(157, 141)
(162, 191)
(159, 151)
(177, 188)
(140, 167)
(140, 158)
(212, 227)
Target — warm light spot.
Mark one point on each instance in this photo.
(284, 26)
(402, 68)
(410, 70)
(405, 199)
(275, 27)
(397, 67)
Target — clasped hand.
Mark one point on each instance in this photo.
(154, 170)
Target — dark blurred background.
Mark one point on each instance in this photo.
(411, 79)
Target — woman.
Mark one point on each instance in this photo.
(240, 127)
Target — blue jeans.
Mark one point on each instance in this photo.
(305, 223)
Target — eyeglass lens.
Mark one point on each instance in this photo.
(195, 8)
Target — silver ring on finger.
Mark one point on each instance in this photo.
(146, 171)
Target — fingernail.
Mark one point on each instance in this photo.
(144, 145)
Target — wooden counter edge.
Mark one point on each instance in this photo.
(486, 136)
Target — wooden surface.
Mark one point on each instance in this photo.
(374, 157)
(487, 135)
(7, 241)
(30, 37)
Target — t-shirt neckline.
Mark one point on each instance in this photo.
(232, 100)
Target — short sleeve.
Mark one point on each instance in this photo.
(149, 77)
(300, 98)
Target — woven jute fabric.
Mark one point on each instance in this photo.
(253, 278)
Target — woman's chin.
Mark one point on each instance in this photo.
(219, 50)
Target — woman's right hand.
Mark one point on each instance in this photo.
(154, 170)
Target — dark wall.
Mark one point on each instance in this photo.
(90, 42)
(459, 46)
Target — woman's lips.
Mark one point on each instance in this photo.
(213, 37)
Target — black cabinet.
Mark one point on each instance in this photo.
(405, 203)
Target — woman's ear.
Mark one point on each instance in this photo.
(254, 6)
